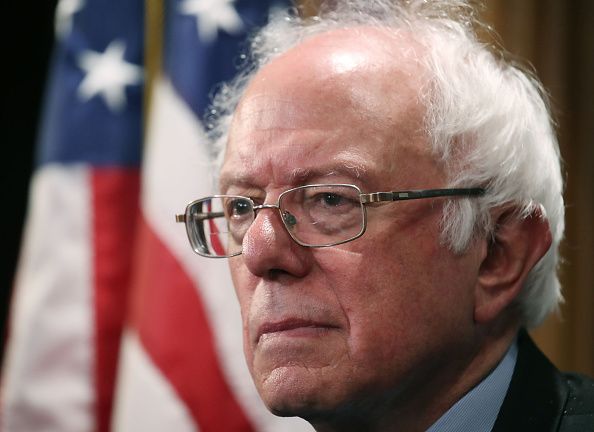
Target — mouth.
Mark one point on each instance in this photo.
(293, 328)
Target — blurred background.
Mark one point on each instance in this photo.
(555, 36)
(28, 47)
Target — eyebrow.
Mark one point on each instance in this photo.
(344, 166)
(300, 175)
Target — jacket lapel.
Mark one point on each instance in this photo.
(537, 393)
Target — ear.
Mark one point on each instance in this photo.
(517, 245)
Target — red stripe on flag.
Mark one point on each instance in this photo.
(172, 325)
(115, 210)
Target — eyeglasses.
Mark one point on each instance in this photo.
(318, 215)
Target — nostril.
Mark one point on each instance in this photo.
(276, 273)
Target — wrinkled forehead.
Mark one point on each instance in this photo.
(361, 84)
(360, 68)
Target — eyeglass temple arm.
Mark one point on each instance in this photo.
(419, 194)
(199, 216)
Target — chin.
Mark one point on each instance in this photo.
(321, 406)
(295, 405)
(298, 391)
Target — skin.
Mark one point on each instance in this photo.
(388, 330)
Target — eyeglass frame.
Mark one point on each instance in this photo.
(364, 199)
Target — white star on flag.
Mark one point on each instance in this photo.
(65, 11)
(212, 15)
(107, 74)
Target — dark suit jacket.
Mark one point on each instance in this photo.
(542, 399)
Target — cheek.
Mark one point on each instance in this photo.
(398, 298)
(375, 298)
(244, 283)
(368, 291)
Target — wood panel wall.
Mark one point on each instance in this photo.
(557, 37)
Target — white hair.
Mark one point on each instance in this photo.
(488, 121)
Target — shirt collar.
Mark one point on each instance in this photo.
(478, 409)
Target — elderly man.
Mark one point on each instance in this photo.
(391, 208)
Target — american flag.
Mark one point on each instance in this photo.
(115, 323)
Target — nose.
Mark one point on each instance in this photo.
(268, 248)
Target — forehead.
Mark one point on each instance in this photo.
(341, 101)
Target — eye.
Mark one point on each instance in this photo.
(331, 199)
(238, 207)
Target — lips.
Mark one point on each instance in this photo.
(287, 325)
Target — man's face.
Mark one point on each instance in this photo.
(328, 327)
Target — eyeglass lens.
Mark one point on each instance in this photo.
(315, 215)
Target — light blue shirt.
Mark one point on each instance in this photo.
(478, 409)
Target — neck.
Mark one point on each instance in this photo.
(429, 396)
